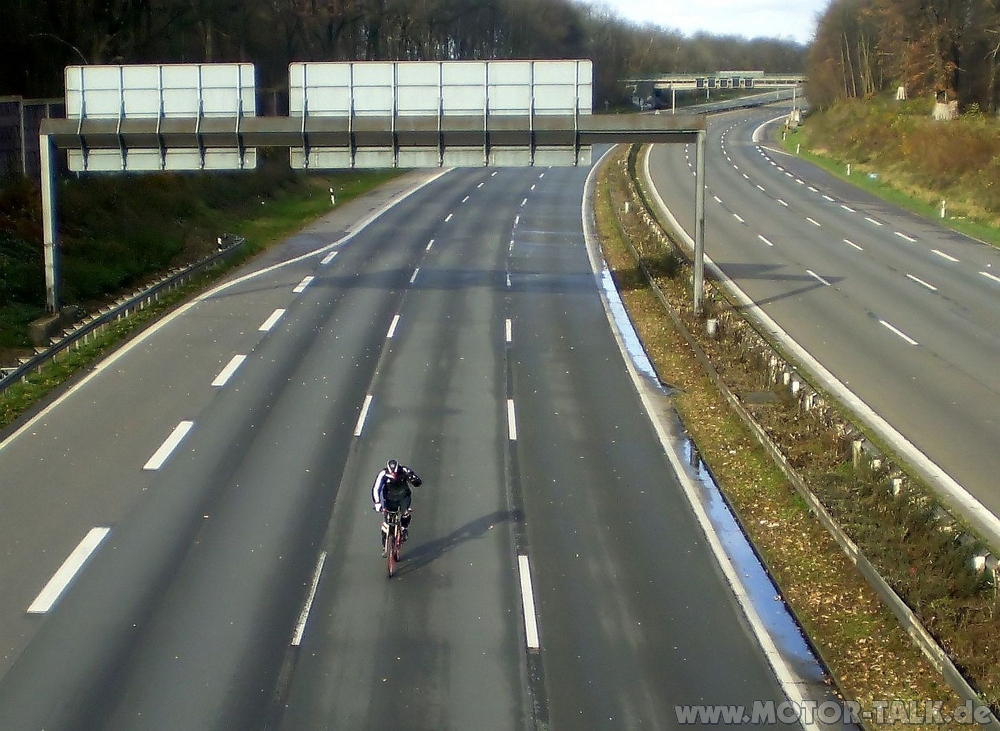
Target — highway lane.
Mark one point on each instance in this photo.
(461, 332)
(899, 309)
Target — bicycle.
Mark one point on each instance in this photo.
(393, 531)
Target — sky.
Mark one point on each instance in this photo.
(785, 19)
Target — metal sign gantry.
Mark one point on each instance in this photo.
(343, 115)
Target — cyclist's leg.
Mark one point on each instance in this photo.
(404, 521)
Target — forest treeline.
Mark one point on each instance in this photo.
(38, 38)
(946, 48)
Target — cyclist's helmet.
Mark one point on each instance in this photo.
(392, 467)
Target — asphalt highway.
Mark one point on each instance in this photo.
(556, 575)
(900, 310)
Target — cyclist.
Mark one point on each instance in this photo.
(391, 492)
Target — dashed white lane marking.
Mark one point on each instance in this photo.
(328, 258)
(510, 247)
(847, 208)
(813, 221)
(994, 277)
(415, 273)
(900, 333)
(717, 199)
(507, 331)
(761, 188)
(465, 199)
(738, 218)
(903, 236)
(873, 221)
(226, 373)
(828, 198)
(541, 175)
(781, 202)
(271, 321)
(511, 423)
(392, 327)
(493, 174)
(166, 449)
(448, 217)
(851, 243)
(300, 626)
(429, 245)
(532, 187)
(524, 202)
(301, 286)
(481, 185)
(800, 181)
(517, 220)
(508, 280)
(50, 594)
(745, 176)
(949, 257)
(764, 240)
(363, 415)
(528, 603)
(817, 277)
(922, 283)
(812, 189)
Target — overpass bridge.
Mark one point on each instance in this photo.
(651, 92)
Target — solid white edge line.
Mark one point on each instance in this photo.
(226, 373)
(790, 684)
(328, 258)
(55, 587)
(392, 328)
(900, 333)
(528, 604)
(507, 330)
(271, 320)
(301, 287)
(208, 294)
(414, 277)
(169, 445)
(922, 283)
(362, 416)
(300, 626)
(511, 423)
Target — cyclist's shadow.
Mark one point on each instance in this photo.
(425, 553)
